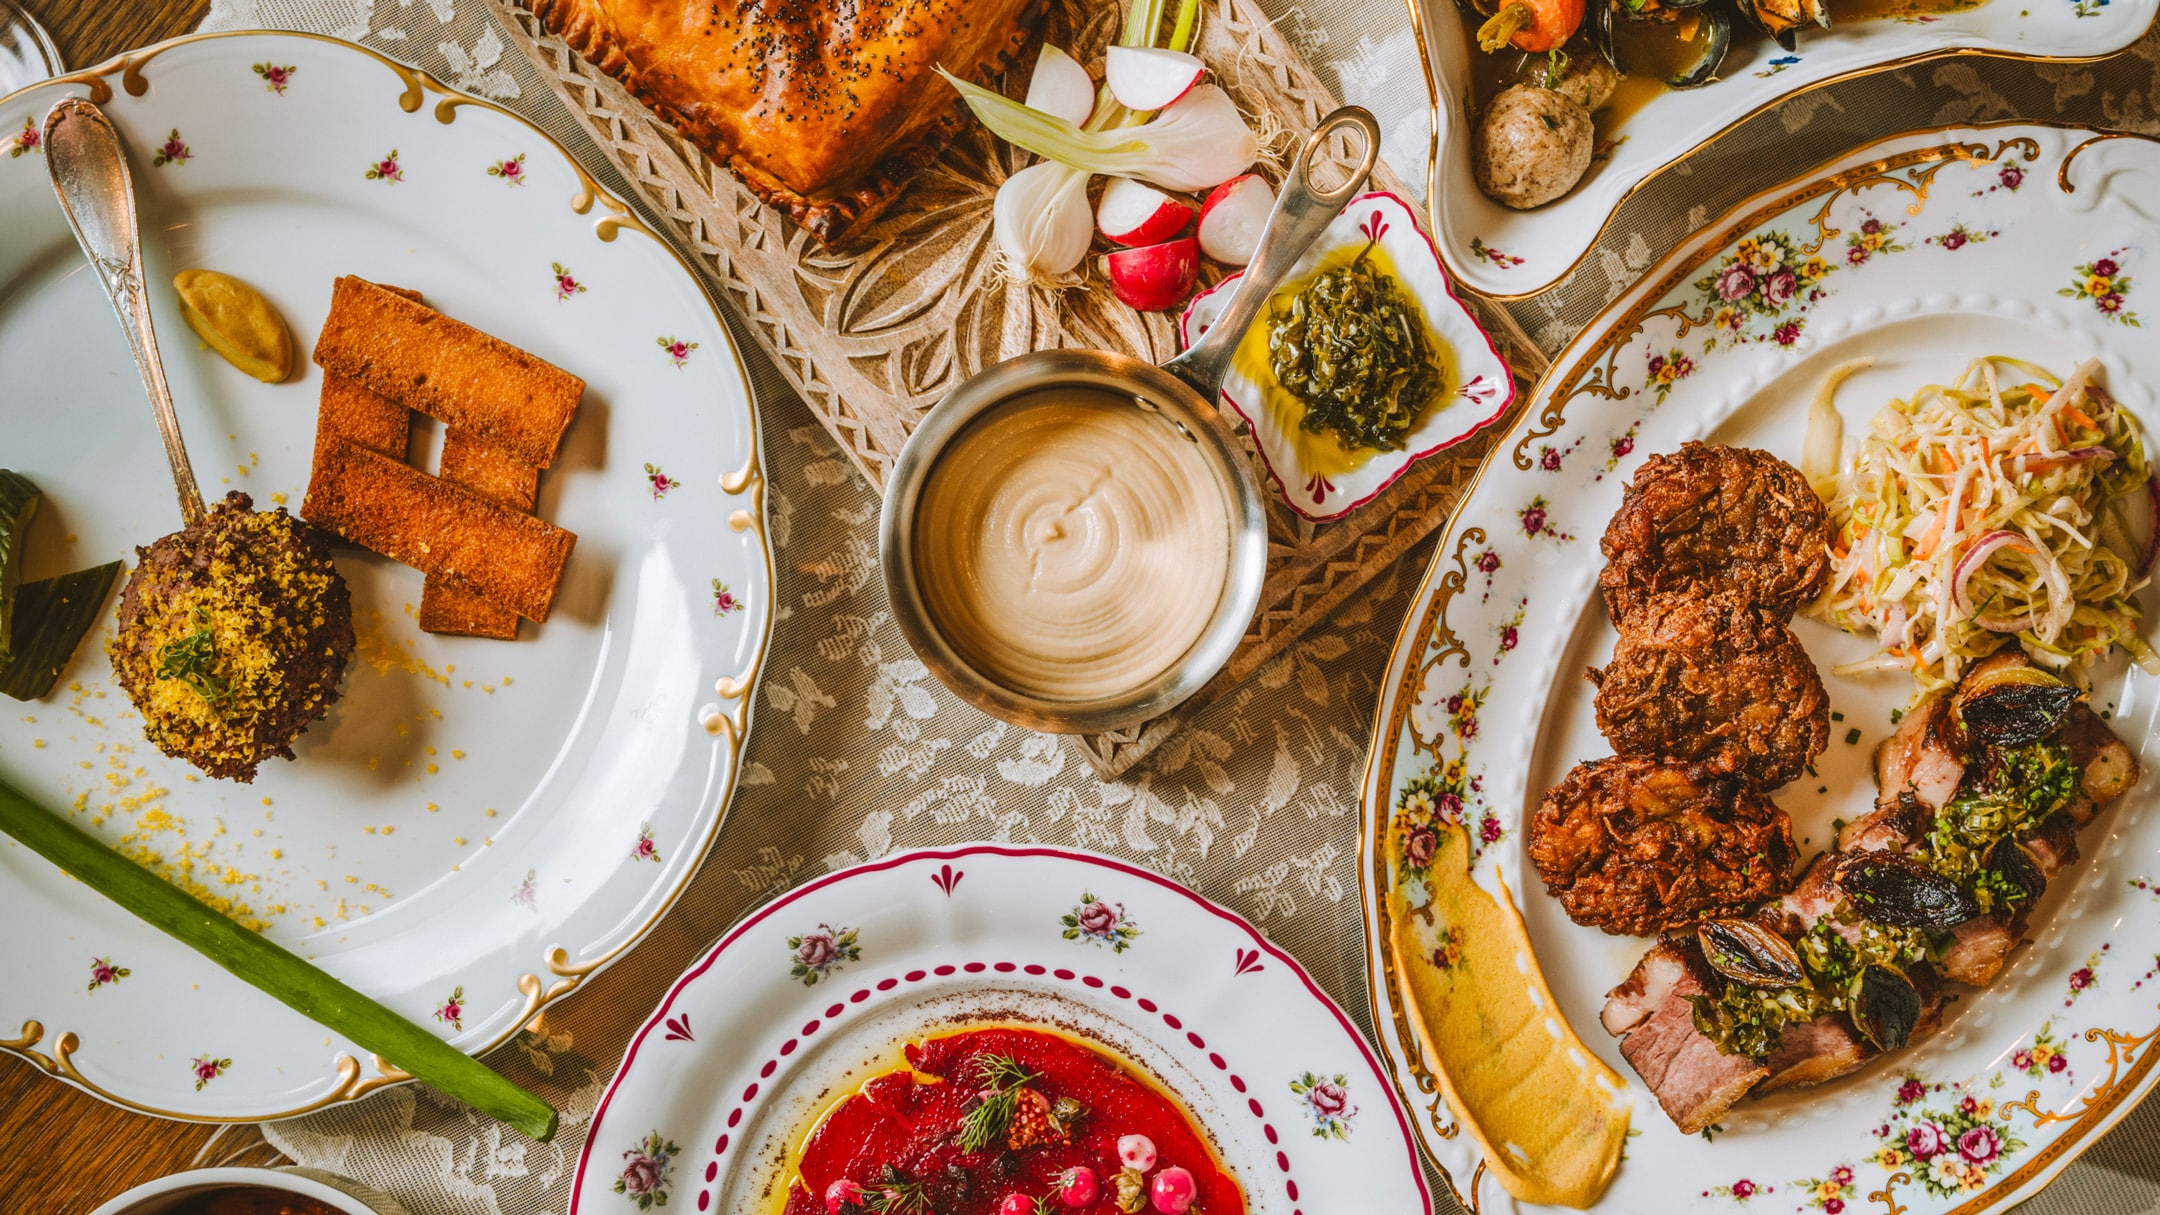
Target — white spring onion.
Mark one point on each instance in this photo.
(1196, 143)
(1042, 220)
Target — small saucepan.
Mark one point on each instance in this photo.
(1179, 396)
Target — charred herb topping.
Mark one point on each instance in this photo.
(1751, 1021)
(192, 659)
(2015, 790)
(1353, 347)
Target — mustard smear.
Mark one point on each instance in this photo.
(237, 322)
(1551, 1117)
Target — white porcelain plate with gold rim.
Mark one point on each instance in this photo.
(816, 992)
(1924, 251)
(478, 824)
(1507, 253)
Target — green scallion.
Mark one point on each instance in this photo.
(263, 964)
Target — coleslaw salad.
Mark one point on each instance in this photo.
(1992, 509)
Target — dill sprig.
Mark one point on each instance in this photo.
(191, 659)
(897, 1194)
(1002, 1078)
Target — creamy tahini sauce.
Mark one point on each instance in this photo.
(1070, 545)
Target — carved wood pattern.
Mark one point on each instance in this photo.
(875, 335)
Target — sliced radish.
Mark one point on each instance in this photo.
(1133, 213)
(1145, 78)
(1232, 218)
(1060, 87)
(1154, 277)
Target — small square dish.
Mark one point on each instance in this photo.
(1317, 474)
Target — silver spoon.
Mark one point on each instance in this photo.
(90, 174)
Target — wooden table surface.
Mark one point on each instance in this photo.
(62, 1152)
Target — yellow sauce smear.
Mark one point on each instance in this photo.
(1321, 451)
(1552, 1118)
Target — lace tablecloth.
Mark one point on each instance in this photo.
(858, 751)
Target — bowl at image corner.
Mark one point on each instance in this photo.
(171, 1193)
(1475, 393)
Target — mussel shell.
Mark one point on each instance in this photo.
(2011, 705)
(1747, 952)
(1886, 1009)
(1894, 889)
(1781, 18)
(1716, 25)
(2018, 867)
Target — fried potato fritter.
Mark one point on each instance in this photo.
(1717, 679)
(1710, 517)
(1638, 846)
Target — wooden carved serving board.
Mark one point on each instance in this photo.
(874, 336)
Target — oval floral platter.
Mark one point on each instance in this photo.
(811, 995)
(1509, 254)
(1924, 250)
(478, 825)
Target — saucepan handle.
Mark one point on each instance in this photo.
(1301, 213)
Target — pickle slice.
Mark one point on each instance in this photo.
(18, 505)
(51, 617)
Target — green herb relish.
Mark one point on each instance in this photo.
(2014, 791)
(1353, 347)
(1751, 1021)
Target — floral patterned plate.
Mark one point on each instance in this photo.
(1478, 387)
(813, 994)
(1507, 253)
(1924, 251)
(478, 825)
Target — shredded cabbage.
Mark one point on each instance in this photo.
(1991, 509)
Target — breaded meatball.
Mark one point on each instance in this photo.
(1711, 517)
(1589, 80)
(1717, 679)
(1532, 146)
(1639, 846)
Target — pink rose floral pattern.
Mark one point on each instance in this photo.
(2103, 282)
(659, 482)
(1100, 923)
(723, 599)
(2008, 179)
(207, 1068)
(821, 951)
(1740, 1191)
(1830, 1194)
(2043, 1058)
(678, 351)
(1767, 280)
(1537, 521)
(103, 972)
(511, 170)
(1960, 236)
(1951, 1151)
(644, 849)
(387, 170)
(644, 1178)
(1620, 447)
(1327, 1101)
(1873, 237)
(451, 1012)
(2081, 979)
(172, 152)
(527, 894)
(565, 285)
(1666, 370)
(29, 139)
(276, 76)
(1510, 631)
(1506, 261)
